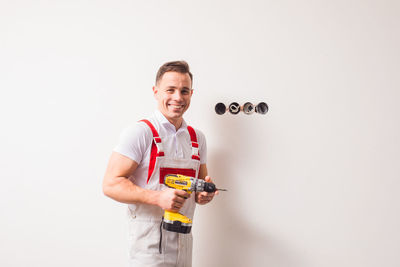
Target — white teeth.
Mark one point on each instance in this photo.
(177, 106)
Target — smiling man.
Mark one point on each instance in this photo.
(162, 144)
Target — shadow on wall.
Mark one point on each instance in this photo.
(235, 241)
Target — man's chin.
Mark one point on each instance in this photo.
(176, 113)
(173, 115)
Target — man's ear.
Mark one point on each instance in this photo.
(155, 90)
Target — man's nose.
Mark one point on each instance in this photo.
(177, 95)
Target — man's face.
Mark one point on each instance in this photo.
(173, 93)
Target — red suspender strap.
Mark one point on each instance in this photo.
(156, 149)
(195, 145)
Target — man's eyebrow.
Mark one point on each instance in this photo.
(186, 88)
(171, 86)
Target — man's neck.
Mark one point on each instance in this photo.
(177, 123)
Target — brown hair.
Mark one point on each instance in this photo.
(177, 66)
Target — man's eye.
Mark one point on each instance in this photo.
(185, 92)
(170, 90)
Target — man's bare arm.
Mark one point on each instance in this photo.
(203, 171)
(117, 186)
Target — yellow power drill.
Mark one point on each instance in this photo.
(177, 222)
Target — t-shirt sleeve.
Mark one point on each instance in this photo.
(133, 142)
(202, 147)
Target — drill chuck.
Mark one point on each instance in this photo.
(203, 186)
(209, 187)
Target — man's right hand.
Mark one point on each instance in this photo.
(172, 199)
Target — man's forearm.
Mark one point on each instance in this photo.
(123, 190)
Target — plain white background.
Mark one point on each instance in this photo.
(312, 183)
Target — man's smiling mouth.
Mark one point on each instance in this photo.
(176, 106)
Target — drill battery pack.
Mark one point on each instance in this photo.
(176, 222)
(177, 227)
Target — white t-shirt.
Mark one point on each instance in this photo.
(135, 142)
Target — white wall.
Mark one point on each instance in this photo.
(312, 183)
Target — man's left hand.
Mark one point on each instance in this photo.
(205, 197)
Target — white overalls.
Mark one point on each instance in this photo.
(145, 220)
